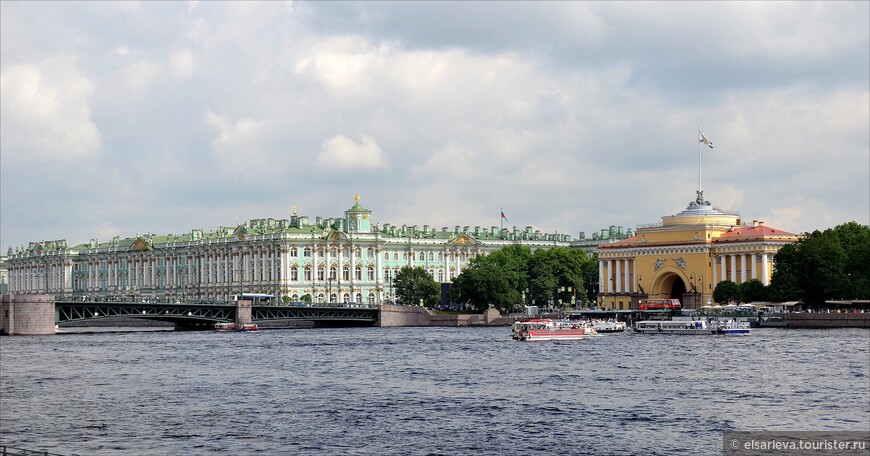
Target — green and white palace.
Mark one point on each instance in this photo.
(332, 260)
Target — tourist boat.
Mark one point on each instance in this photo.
(548, 329)
(700, 327)
(232, 327)
(608, 326)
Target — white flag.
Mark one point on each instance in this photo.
(704, 140)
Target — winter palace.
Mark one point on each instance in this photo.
(345, 259)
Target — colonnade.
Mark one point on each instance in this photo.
(617, 276)
(733, 267)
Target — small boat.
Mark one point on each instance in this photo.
(692, 327)
(232, 327)
(608, 326)
(548, 329)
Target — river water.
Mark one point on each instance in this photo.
(423, 391)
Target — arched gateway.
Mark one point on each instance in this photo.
(685, 256)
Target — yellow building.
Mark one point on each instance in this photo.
(685, 256)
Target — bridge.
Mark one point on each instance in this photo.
(38, 314)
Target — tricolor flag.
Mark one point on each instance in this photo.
(704, 140)
(505, 218)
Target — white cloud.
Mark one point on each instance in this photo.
(341, 152)
(182, 64)
(242, 148)
(46, 112)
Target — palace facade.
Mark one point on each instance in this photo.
(345, 259)
(686, 256)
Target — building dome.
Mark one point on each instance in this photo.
(702, 212)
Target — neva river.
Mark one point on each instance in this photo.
(423, 391)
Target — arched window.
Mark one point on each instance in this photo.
(431, 256)
(294, 274)
(332, 272)
(357, 273)
(294, 252)
(306, 252)
(320, 273)
(371, 299)
(371, 273)
(370, 252)
(358, 297)
(307, 273)
(441, 275)
(295, 297)
(345, 272)
(345, 298)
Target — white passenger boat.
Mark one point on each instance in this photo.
(608, 326)
(700, 327)
(548, 329)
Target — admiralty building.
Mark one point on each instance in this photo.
(346, 259)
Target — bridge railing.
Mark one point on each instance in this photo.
(204, 301)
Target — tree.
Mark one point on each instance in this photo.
(501, 278)
(752, 290)
(305, 298)
(415, 286)
(824, 265)
(784, 282)
(726, 291)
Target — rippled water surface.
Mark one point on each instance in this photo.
(423, 391)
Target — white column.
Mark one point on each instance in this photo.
(733, 267)
(379, 275)
(714, 271)
(600, 276)
(742, 267)
(616, 278)
(753, 259)
(723, 260)
(609, 288)
(627, 286)
(765, 278)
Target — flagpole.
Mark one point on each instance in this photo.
(699, 156)
(500, 219)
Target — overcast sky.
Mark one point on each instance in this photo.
(160, 117)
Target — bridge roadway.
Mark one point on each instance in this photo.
(205, 314)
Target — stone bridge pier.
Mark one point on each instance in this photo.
(26, 314)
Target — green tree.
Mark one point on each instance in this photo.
(784, 284)
(305, 298)
(821, 274)
(501, 278)
(752, 290)
(726, 291)
(824, 265)
(855, 241)
(414, 286)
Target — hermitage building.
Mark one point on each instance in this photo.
(344, 259)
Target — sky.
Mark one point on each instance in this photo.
(121, 118)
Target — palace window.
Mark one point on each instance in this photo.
(370, 253)
(371, 273)
(358, 273)
(320, 274)
(332, 272)
(306, 252)
(294, 252)
(307, 273)
(345, 273)
(294, 274)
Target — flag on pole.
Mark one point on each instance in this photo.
(704, 140)
(505, 218)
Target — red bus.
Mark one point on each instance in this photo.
(659, 304)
